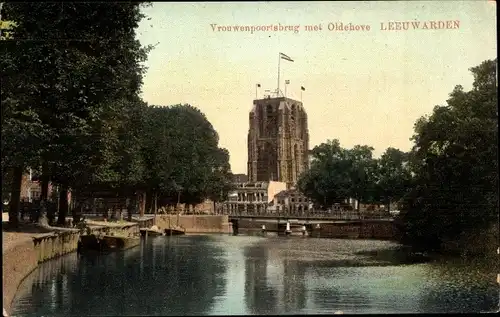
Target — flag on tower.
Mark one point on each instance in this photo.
(287, 82)
(258, 85)
(302, 88)
(286, 57)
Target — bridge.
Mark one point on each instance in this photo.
(332, 224)
(337, 215)
(337, 224)
(308, 219)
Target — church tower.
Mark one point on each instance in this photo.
(278, 141)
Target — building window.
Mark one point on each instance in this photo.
(34, 195)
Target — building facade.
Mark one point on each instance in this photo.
(278, 141)
(290, 201)
(30, 189)
(252, 197)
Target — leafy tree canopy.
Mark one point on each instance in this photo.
(455, 164)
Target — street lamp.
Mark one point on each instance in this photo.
(6, 201)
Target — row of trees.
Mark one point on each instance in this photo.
(447, 184)
(337, 174)
(71, 109)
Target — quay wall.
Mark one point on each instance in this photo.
(23, 257)
(195, 223)
(364, 229)
(18, 262)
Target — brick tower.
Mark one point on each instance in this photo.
(278, 140)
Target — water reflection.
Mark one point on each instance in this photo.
(259, 298)
(125, 283)
(294, 287)
(227, 275)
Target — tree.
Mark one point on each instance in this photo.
(181, 156)
(328, 180)
(220, 182)
(156, 150)
(455, 162)
(337, 174)
(84, 70)
(362, 172)
(393, 176)
(22, 127)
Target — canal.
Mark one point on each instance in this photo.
(234, 275)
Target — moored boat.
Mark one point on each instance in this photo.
(150, 232)
(93, 242)
(174, 231)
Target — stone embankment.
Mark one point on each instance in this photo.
(195, 223)
(23, 251)
(364, 229)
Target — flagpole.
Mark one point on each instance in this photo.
(256, 91)
(279, 60)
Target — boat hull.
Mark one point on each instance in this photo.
(106, 243)
(174, 232)
(151, 233)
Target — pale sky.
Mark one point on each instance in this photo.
(362, 87)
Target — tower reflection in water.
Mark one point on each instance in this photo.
(273, 284)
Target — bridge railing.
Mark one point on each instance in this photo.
(336, 214)
(314, 214)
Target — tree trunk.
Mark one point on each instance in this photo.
(145, 200)
(63, 205)
(44, 195)
(15, 196)
(152, 207)
(155, 206)
(130, 209)
(142, 204)
(358, 208)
